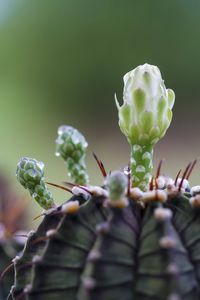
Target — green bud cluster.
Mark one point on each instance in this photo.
(30, 173)
(71, 145)
(116, 184)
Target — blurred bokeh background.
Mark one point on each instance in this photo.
(62, 61)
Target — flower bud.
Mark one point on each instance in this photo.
(30, 173)
(144, 118)
(147, 109)
(116, 184)
(71, 145)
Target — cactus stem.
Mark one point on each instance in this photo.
(141, 165)
(191, 169)
(184, 176)
(59, 186)
(101, 165)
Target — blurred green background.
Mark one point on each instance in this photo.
(62, 61)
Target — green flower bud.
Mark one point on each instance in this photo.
(30, 173)
(116, 184)
(71, 145)
(147, 109)
(144, 117)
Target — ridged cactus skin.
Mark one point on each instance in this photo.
(101, 252)
(9, 249)
(12, 220)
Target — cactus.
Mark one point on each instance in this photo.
(12, 221)
(135, 237)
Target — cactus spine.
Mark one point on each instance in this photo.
(125, 240)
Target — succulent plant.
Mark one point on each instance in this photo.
(135, 237)
(12, 221)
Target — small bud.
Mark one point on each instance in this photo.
(71, 146)
(30, 173)
(116, 184)
(146, 112)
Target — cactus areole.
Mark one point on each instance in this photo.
(136, 237)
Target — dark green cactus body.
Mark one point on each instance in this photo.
(8, 250)
(34, 247)
(135, 238)
(54, 269)
(100, 253)
(12, 220)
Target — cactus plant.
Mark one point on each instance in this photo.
(135, 237)
(12, 221)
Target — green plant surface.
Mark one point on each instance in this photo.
(113, 254)
(136, 237)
